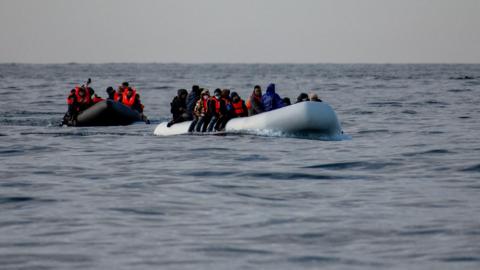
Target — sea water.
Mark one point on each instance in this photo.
(403, 192)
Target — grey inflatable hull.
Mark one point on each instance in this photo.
(303, 118)
(108, 113)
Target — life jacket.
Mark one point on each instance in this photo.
(129, 101)
(116, 97)
(86, 99)
(238, 107)
(249, 101)
(97, 99)
(217, 104)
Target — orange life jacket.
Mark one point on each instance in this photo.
(217, 104)
(238, 107)
(129, 101)
(116, 97)
(85, 99)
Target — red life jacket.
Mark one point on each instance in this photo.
(86, 98)
(129, 101)
(217, 104)
(97, 99)
(116, 97)
(238, 107)
(205, 105)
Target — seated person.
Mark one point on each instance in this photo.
(216, 109)
(302, 97)
(178, 108)
(254, 102)
(239, 107)
(78, 101)
(314, 97)
(200, 112)
(271, 100)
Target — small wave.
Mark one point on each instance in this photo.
(456, 259)
(459, 90)
(21, 199)
(291, 176)
(465, 77)
(351, 165)
(386, 104)
(429, 152)
(474, 168)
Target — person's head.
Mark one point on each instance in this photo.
(205, 94)
(226, 93)
(196, 89)
(81, 92)
(313, 97)
(286, 101)
(217, 93)
(129, 92)
(235, 97)
(182, 93)
(302, 97)
(125, 84)
(257, 90)
(110, 90)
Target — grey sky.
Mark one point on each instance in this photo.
(245, 31)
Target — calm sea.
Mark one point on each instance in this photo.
(402, 193)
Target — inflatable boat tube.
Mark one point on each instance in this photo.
(303, 118)
(107, 113)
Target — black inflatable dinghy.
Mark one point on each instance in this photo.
(107, 113)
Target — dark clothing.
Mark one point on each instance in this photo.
(256, 105)
(271, 100)
(137, 105)
(302, 97)
(178, 108)
(212, 104)
(192, 99)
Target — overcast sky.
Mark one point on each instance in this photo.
(240, 31)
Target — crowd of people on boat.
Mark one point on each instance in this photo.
(83, 97)
(211, 112)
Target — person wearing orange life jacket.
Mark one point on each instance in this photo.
(112, 94)
(229, 113)
(201, 117)
(79, 100)
(239, 107)
(254, 103)
(131, 99)
(216, 109)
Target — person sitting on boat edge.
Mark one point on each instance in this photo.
(78, 100)
(121, 90)
(239, 107)
(254, 102)
(192, 99)
(302, 97)
(131, 99)
(178, 108)
(200, 113)
(314, 97)
(112, 94)
(229, 113)
(216, 109)
(286, 101)
(271, 100)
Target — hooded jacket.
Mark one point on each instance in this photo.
(271, 100)
(178, 105)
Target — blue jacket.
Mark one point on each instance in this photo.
(271, 100)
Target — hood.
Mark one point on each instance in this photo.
(270, 89)
(181, 91)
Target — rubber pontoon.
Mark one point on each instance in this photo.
(303, 118)
(107, 113)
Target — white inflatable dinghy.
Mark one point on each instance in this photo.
(303, 118)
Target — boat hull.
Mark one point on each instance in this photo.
(301, 118)
(107, 113)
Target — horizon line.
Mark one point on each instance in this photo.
(243, 63)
